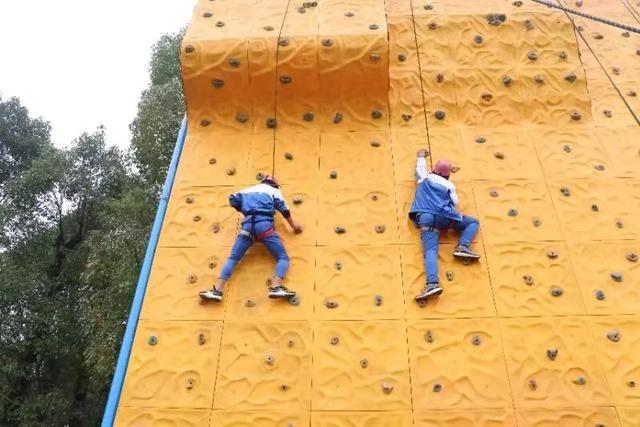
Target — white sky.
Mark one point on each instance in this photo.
(82, 63)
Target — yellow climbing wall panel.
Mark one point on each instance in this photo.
(538, 113)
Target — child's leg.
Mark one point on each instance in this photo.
(237, 252)
(430, 243)
(274, 244)
(468, 227)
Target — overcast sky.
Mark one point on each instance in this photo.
(82, 63)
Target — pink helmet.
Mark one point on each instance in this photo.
(442, 168)
(270, 180)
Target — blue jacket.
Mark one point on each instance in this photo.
(434, 195)
(261, 200)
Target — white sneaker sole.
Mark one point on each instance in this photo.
(465, 255)
(281, 295)
(429, 294)
(214, 299)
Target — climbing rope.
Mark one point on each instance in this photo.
(588, 16)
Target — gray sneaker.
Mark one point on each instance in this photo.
(280, 292)
(464, 252)
(211, 295)
(430, 290)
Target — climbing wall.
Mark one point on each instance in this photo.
(535, 110)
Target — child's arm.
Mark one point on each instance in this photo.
(421, 165)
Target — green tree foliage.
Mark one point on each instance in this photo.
(74, 225)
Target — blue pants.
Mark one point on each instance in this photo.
(273, 244)
(431, 239)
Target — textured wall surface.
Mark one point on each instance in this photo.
(536, 111)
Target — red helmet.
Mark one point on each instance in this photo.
(270, 180)
(443, 168)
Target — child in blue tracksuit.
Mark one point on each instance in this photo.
(258, 204)
(433, 210)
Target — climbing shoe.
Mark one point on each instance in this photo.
(430, 290)
(211, 295)
(280, 292)
(465, 252)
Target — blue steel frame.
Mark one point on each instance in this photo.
(127, 341)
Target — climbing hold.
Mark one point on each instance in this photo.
(619, 223)
(242, 118)
(192, 278)
(374, 26)
(334, 340)
(288, 156)
(615, 70)
(269, 359)
(580, 380)
(528, 24)
(212, 161)
(364, 363)
(632, 257)
(478, 39)
(294, 300)
(338, 265)
(260, 176)
(202, 339)
(432, 26)
(217, 83)
(402, 57)
(337, 118)
(333, 174)
(563, 54)
(598, 36)
(374, 197)
(579, 3)
(555, 291)
(532, 55)
(506, 80)
(301, 9)
(153, 340)
(307, 116)
(231, 171)
(330, 303)
(378, 300)
(374, 57)
(616, 276)
(439, 77)
(234, 62)
(297, 200)
(283, 41)
(406, 117)
(376, 114)
(220, 24)
(190, 382)
(595, 208)
(537, 222)
(205, 122)
(566, 191)
(189, 200)
(580, 28)
(528, 279)
(440, 114)
(600, 295)
(380, 228)
(486, 96)
(339, 230)
(631, 383)
(348, 14)
(625, 34)
(422, 303)
(532, 384)
(327, 42)
(436, 388)
(207, 14)
(496, 19)
(538, 78)
(271, 123)
(481, 140)
(631, 93)
(566, 148)
(494, 193)
(213, 264)
(387, 388)
(189, 49)
(450, 275)
(455, 169)
(552, 353)
(428, 7)
(512, 212)
(267, 28)
(599, 167)
(552, 254)
(571, 77)
(498, 155)
(607, 113)
(428, 336)
(475, 340)
(517, 3)
(196, 218)
(249, 303)
(284, 387)
(613, 335)
(375, 143)
(285, 80)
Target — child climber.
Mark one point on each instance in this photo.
(433, 210)
(258, 205)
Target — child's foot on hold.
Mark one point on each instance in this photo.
(280, 292)
(462, 251)
(211, 295)
(430, 290)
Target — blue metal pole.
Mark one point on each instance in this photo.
(138, 297)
